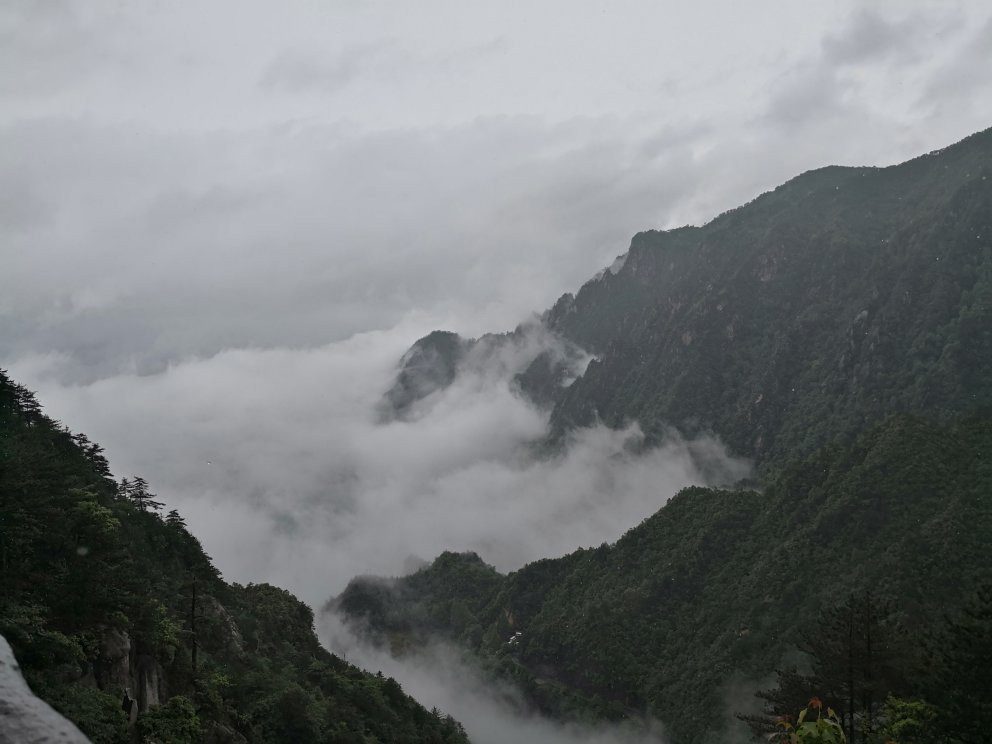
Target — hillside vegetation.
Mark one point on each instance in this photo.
(837, 330)
(109, 606)
(714, 589)
(818, 309)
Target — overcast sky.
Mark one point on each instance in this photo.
(181, 178)
(221, 224)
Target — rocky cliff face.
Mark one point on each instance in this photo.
(536, 362)
(23, 717)
(119, 669)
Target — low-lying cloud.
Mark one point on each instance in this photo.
(283, 468)
(492, 713)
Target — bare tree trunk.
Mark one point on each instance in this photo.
(850, 676)
(192, 624)
(868, 697)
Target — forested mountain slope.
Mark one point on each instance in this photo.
(102, 598)
(837, 330)
(712, 591)
(817, 309)
(845, 295)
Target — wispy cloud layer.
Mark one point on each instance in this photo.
(279, 460)
(492, 713)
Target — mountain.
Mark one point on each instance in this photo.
(841, 297)
(838, 331)
(539, 362)
(709, 592)
(109, 607)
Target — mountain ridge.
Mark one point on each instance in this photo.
(711, 590)
(837, 330)
(842, 296)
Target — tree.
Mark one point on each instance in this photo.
(859, 656)
(910, 722)
(174, 519)
(959, 657)
(136, 491)
(790, 694)
(176, 722)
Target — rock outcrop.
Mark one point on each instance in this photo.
(24, 718)
(120, 669)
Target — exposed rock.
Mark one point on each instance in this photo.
(130, 707)
(218, 733)
(149, 682)
(113, 663)
(222, 625)
(538, 363)
(24, 718)
(119, 669)
(428, 366)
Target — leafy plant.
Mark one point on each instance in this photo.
(821, 730)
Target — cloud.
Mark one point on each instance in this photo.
(492, 713)
(280, 464)
(189, 244)
(21, 209)
(137, 235)
(382, 61)
(217, 240)
(62, 46)
(870, 37)
(951, 89)
(296, 70)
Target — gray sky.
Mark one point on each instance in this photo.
(221, 223)
(182, 178)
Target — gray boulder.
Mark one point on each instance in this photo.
(24, 718)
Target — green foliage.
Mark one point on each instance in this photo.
(289, 717)
(840, 298)
(166, 628)
(87, 564)
(859, 655)
(837, 330)
(720, 585)
(824, 729)
(175, 722)
(98, 714)
(910, 722)
(959, 651)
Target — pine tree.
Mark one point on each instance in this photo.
(858, 654)
(859, 658)
(136, 491)
(960, 658)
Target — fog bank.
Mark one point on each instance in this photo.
(283, 469)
